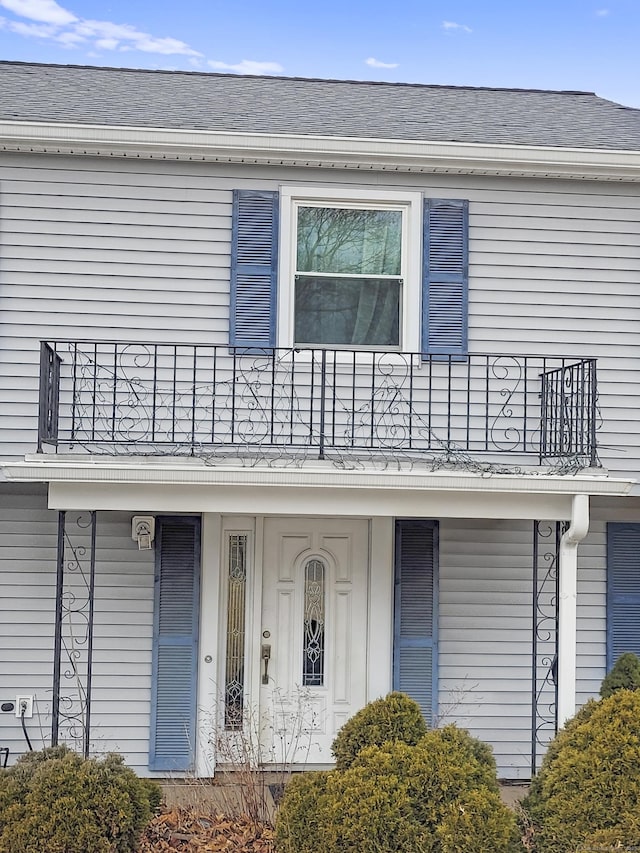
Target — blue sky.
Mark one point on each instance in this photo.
(591, 45)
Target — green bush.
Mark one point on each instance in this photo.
(625, 674)
(587, 793)
(299, 824)
(58, 802)
(478, 822)
(475, 756)
(532, 804)
(395, 717)
(437, 796)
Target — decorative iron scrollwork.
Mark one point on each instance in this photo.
(73, 644)
(544, 655)
(294, 404)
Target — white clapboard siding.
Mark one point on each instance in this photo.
(122, 657)
(123, 623)
(591, 625)
(98, 283)
(27, 596)
(120, 250)
(485, 631)
(484, 624)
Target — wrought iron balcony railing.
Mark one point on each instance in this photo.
(178, 399)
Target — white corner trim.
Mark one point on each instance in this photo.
(323, 151)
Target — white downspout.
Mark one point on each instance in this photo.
(567, 633)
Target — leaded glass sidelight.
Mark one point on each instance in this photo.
(314, 624)
(236, 632)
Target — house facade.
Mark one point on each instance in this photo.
(311, 390)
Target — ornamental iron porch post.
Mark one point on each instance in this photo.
(544, 642)
(73, 638)
(554, 639)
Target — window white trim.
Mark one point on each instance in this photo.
(411, 206)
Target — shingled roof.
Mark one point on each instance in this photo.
(281, 105)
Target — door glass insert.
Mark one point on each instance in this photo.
(236, 632)
(314, 624)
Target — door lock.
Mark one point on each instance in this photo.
(265, 654)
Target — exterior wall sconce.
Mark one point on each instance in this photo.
(143, 531)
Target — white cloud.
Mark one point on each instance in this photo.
(106, 44)
(31, 30)
(168, 46)
(61, 26)
(376, 63)
(602, 13)
(46, 11)
(247, 66)
(450, 26)
(126, 37)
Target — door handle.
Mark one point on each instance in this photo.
(265, 654)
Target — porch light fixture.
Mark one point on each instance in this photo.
(143, 531)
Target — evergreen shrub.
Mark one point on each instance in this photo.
(58, 802)
(587, 793)
(438, 794)
(394, 717)
(625, 674)
(299, 819)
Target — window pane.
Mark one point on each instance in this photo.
(339, 240)
(313, 655)
(358, 312)
(234, 664)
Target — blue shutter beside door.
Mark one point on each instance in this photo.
(415, 620)
(254, 263)
(175, 644)
(445, 277)
(623, 590)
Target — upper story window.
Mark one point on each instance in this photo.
(348, 276)
(349, 269)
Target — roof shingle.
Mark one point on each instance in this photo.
(275, 105)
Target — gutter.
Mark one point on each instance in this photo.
(567, 607)
(365, 154)
(160, 471)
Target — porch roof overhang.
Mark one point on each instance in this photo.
(191, 485)
(316, 150)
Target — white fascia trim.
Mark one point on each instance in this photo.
(160, 473)
(324, 151)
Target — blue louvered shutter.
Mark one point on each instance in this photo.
(254, 269)
(623, 590)
(445, 277)
(175, 644)
(415, 647)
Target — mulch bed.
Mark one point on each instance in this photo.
(191, 831)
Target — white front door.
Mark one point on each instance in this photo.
(313, 643)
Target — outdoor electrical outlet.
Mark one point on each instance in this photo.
(24, 703)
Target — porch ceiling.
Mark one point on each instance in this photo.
(161, 485)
